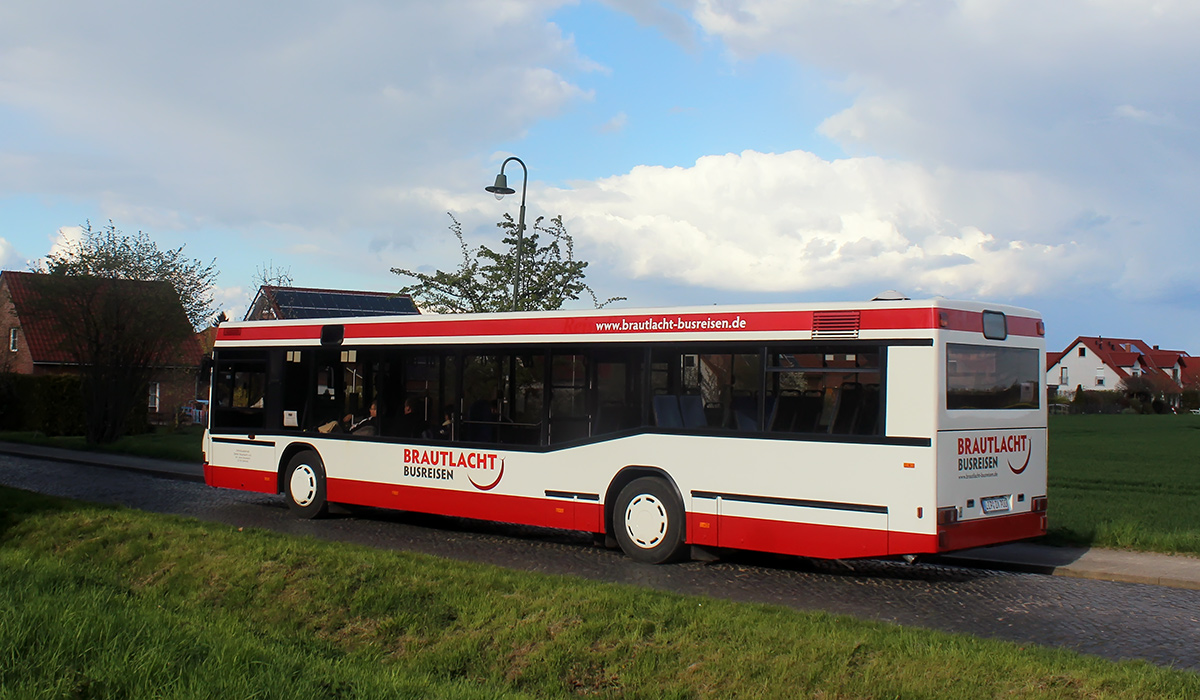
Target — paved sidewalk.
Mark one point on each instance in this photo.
(187, 471)
(1177, 571)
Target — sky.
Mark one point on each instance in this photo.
(699, 151)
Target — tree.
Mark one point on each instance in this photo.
(111, 253)
(122, 308)
(270, 276)
(550, 273)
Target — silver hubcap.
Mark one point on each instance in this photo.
(646, 521)
(303, 486)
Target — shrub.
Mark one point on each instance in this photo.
(49, 404)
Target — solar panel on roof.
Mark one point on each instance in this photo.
(303, 304)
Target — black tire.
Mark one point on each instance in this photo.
(304, 485)
(648, 521)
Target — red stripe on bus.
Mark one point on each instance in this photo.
(798, 539)
(615, 326)
(521, 510)
(966, 534)
(801, 539)
(240, 479)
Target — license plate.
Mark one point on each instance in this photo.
(995, 504)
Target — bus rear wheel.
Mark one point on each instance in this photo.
(648, 521)
(304, 484)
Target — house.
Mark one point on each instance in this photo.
(297, 302)
(36, 342)
(1101, 364)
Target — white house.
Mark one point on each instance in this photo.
(1100, 364)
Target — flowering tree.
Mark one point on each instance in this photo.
(483, 282)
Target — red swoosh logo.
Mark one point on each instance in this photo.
(499, 476)
(1026, 464)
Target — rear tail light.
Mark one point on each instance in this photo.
(1038, 504)
(1041, 328)
(947, 515)
(943, 319)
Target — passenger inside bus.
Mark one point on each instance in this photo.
(363, 426)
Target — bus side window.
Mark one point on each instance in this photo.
(239, 389)
(824, 390)
(570, 418)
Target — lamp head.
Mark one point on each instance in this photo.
(501, 187)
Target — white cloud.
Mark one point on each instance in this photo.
(616, 124)
(66, 237)
(10, 259)
(794, 222)
(234, 301)
(1084, 104)
(249, 114)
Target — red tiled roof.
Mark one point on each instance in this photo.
(45, 335)
(1124, 359)
(1119, 354)
(42, 334)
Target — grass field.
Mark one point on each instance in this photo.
(1126, 481)
(103, 602)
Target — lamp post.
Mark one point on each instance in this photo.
(500, 189)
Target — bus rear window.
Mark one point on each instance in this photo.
(990, 378)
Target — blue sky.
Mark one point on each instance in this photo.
(1040, 154)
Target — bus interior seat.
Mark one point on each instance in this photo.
(745, 413)
(783, 418)
(849, 400)
(797, 413)
(868, 411)
(666, 411)
(691, 408)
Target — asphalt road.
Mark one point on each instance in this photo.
(1113, 620)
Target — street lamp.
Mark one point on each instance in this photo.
(500, 189)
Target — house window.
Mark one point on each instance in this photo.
(12, 340)
(153, 398)
(1099, 376)
(1062, 376)
(1082, 351)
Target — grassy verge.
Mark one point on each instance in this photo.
(1125, 481)
(98, 601)
(182, 444)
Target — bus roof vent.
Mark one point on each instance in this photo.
(835, 324)
(890, 295)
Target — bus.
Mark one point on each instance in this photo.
(843, 430)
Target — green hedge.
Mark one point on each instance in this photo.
(49, 404)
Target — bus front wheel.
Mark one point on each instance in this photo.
(304, 484)
(648, 520)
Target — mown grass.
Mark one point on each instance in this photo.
(179, 444)
(97, 601)
(1125, 481)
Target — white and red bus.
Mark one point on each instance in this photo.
(835, 430)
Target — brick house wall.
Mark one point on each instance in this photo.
(177, 385)
(21, 361)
